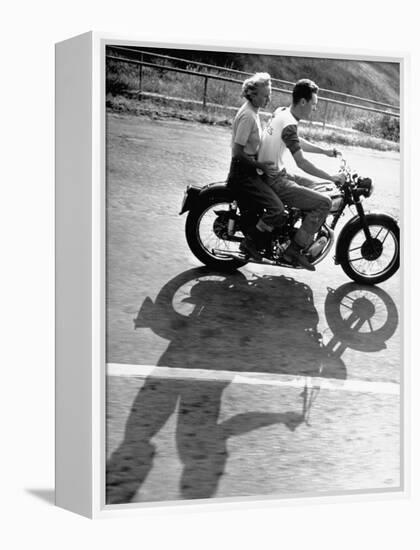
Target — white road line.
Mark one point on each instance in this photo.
(253, 378)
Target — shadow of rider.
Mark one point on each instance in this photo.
(215, 322)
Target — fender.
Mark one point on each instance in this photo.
(349, 225)
(193, 194)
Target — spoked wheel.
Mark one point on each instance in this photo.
(371, 261)
(207, 234)
(363, 317)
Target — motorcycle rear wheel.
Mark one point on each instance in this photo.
(375, 263)
(211, 248)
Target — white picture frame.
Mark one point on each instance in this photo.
(81, 279)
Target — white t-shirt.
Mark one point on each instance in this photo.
(246, 129)
(280, 134)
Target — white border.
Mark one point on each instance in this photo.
(405, 239)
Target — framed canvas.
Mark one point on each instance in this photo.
(191, 368)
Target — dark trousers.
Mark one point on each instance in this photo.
(298, 192)
(247, 184)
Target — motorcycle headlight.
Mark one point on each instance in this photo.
(365, 187)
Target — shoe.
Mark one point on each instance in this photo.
(249, 247)
(293, 255)
(255, 243)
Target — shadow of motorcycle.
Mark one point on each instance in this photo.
(218, 321)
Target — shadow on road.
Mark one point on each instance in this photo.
(218, 321)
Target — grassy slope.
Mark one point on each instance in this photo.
(374, 80)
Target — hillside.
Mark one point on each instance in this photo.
(375, 80)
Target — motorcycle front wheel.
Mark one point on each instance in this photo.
(206, 231)
(371, 262)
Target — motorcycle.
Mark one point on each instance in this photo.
(367, 247)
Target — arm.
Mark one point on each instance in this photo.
(239, 153)
(307, 166)
(310, 148)
(245, 124)
(295, 146)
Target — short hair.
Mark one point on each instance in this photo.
(251, 84)
(304, 89)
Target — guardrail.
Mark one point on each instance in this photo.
(394, 112)
(243, 73)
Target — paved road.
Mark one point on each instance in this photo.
(266, 382)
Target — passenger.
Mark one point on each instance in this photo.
(243, 177)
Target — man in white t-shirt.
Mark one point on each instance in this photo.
(281, 135)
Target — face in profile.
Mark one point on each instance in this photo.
(261, 97)
(308, 107)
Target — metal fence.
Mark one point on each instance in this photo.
(331, 109)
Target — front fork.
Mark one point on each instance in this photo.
(363, 221)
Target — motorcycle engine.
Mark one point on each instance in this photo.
(279, 246)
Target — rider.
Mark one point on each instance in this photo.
(243, 177)
(297, 191)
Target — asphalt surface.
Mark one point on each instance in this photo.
(263, 383)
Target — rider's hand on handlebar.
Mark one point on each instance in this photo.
(338, 178)
(333, 153)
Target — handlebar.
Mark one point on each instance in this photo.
(350, 175)
(343, 165)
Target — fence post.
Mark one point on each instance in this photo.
(345, 116)
(140, 75)
(325, 114)
(205, 92)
